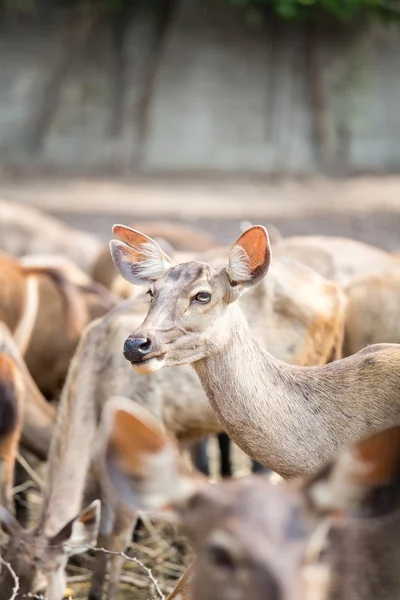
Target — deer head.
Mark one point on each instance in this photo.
(190, 303)
(38, 560)
(257, 540)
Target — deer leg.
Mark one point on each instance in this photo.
(21, 498)
(224, 444)
(119, 539)
(199, 456)
(101, 562)
(257, 467)
(8, 453)
(338, 349)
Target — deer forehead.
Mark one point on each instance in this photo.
(184, 277)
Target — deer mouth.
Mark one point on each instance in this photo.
(150, 363)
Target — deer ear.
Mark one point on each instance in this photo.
(249, 258)
(80, 532)
(141, 462)
(142, 261)
(363, 480)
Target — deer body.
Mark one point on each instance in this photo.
(27, 230)
(372, 313)
(371, 279)
(294, 419)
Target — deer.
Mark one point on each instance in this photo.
(48, 356)
(37, 415)
(291, 419)
(27, 230)
(370, 278)
(372, 314)
(38, 555)
(336, 258)
(19, 298)
(41, 294)
(331, 535)
(99, 371)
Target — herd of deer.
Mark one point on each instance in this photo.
(288, 356)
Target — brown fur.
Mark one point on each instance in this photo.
(52, 344)
(13, 291)
(14, 296)
(38, 415)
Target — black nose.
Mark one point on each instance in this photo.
(136, 348)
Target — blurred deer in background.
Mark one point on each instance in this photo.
(38, 555)
(370, 278)
(19, 298)
(37, 416)
(257, 540)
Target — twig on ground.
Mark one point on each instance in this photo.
(34, 476)
(14, 576)
(23, 486)
(136, 561)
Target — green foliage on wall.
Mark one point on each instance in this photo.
(343, 10)
(254, 10)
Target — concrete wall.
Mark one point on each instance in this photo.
(215, 96)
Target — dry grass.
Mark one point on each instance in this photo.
(160, 548)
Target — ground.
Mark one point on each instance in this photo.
(364, 208)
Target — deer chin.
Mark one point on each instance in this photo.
(155, 363)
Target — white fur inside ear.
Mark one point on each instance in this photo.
(154, 264)
(239, 265)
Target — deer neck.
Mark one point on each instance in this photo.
(71, 445)
(261, 402)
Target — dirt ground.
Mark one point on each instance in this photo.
(365, 208)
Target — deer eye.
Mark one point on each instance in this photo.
(150, 293)
(202, 298)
